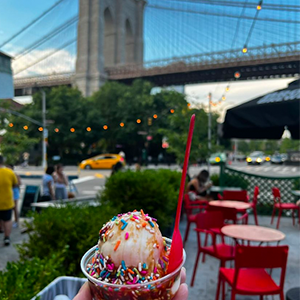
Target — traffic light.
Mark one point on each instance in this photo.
(149, 121)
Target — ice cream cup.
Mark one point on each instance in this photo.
(164, 288)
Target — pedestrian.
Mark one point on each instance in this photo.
(61, 183)
(8, 180)
(16, 196)
(48, 185)
(116, 168)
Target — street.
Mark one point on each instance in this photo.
(90, 182)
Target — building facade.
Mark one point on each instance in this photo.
(6, 77)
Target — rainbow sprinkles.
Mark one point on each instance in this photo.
(120, 235)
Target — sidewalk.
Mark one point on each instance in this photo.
(207, 273)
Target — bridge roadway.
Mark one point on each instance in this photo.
(271, 61)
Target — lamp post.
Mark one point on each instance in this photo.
(209, 129)
(45, 131)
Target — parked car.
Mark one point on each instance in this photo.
(103, 161)
(276, 159)
(256, 158)
(217, 158)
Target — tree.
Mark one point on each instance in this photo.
(177, 132)
(66, 108)
(12, 143)
(289, 144)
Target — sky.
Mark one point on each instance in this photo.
(167, 33)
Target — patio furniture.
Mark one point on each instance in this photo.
(283, 206)
(230, 203)
(252, 233)
(229, 213)
(254, 203)
(216, 191)
(236, 195)
(205, 222)
(189, 206)
(249, 276)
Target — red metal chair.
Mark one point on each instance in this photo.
(230, 214)
(205, 221)
(249, 276)
(236, 195)
(189, 206)
(282, 206)
(254, 203)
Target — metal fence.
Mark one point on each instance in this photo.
(233, 178)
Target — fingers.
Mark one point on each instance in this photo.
(84, 293)
(182, 293)
(183, 275)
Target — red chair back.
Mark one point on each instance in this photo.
(276, 195)
(210, 219)
(186, 204)
(229, 213)
(235, 195)
(255, 195)
(258, 257)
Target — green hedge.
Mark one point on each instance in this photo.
(154, 191)
(230, 181)
(69, 231)
(22, 280)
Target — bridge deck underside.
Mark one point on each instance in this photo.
(178, 74)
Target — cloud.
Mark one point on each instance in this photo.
(60, 62)
(239, 92)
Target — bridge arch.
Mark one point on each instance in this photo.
(109, 41)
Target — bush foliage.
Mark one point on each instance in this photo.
(22, 280)
(154, 191)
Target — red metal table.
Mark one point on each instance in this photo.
(253, 233)
(239, 205)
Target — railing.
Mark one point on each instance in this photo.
(231, 177)
(257, 55)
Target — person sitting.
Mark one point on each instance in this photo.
(200, 184)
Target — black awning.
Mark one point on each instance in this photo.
(266, 117)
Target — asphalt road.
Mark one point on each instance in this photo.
(90, 182)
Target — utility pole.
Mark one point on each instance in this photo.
(45, 131)
(209, 129)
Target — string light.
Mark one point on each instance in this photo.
(72, 129)
(258, 7)
(237, 75)
(25, 127)
(122, 124)
(223, 98)
(40, 128)
(245, 49)
(105, 127)
(227, 88)
(155, 116)
(88, 129)
(56, 130)
(172, 111)
(188, 105)
(11, 125)
(138, 121)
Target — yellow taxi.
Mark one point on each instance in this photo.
(103, 161)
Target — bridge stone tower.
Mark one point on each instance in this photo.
(110, 34)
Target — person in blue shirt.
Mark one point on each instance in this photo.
(48, 185)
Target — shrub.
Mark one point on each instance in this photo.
(154, 191)
(69, 231)
(215, 178)
(22, 280)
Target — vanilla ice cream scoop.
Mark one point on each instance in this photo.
(130, 250)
